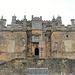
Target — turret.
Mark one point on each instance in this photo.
(13, 20)
(72, 22)
(24, 22)
(32, 16)
(36, 22)
(24, 17)
(53, 18)
(59, 21)
(59, 17)
(2, 22)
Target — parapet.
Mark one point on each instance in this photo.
(36, 18)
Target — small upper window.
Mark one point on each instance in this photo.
(36, 24)
(67, 36)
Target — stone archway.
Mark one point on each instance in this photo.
(36, 51)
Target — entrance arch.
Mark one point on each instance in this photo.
(36, 51)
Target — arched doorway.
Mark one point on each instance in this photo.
(36, 51)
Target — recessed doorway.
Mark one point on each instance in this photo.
(36, 51)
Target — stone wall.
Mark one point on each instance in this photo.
(62, 43)
(12, 45)
(55, 66)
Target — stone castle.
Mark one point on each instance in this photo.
(36, 39)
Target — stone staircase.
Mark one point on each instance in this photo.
(37, 71)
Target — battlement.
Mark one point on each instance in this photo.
(36, 18)
(66, 28)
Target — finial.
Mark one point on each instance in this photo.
(2, 17)
(25, 16)
(53, 17)
(32, 16)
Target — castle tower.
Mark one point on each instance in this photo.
(13, 20)
(53, 18)
(24, 22)
(2, 22)
(36, 22)
(72, 22)
(59, 21)
(59, 17)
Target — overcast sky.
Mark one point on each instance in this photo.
(44, 8)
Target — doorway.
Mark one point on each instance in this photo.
(36, 51)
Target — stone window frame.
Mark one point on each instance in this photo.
(36, 24)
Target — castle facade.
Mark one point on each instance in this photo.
(36, 39)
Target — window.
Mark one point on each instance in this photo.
(67, 36)
(44, 27)
(55, 53)
(19, 26)
(36, 37)
(36, 24)
(44, 37)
